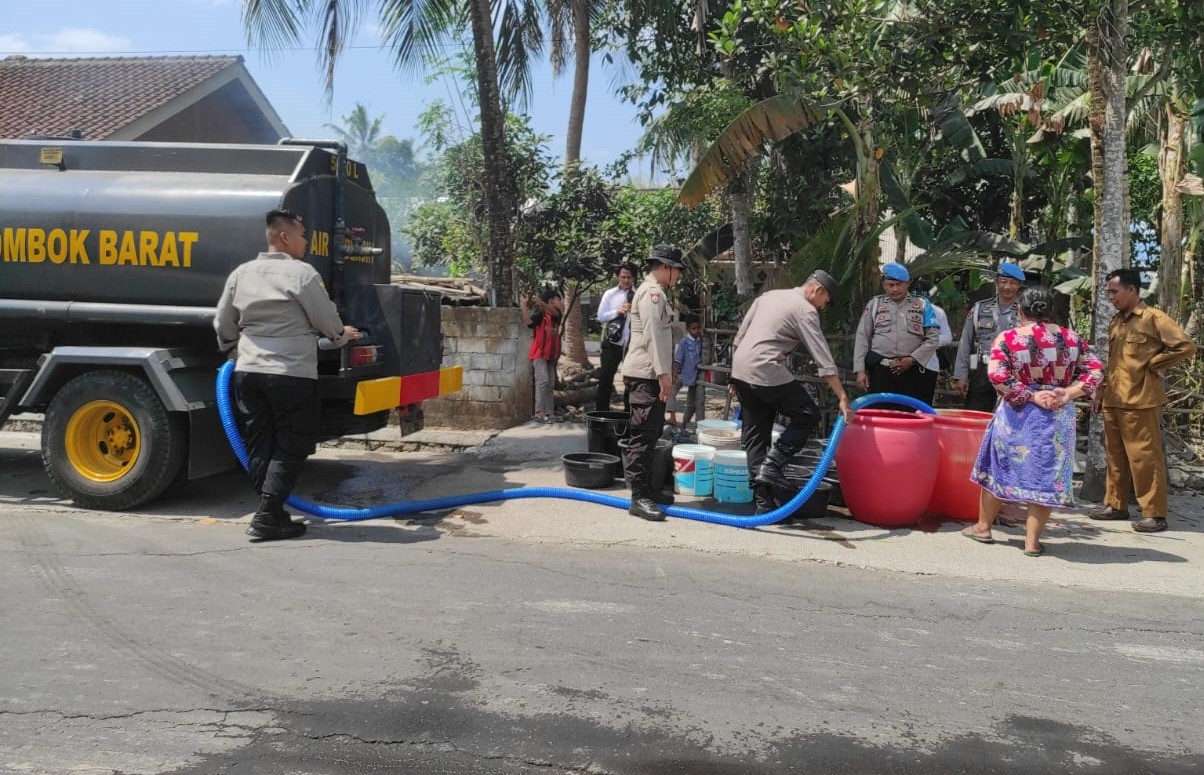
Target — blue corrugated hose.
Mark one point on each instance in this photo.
(343, 514)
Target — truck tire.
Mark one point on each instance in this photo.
(108, 442)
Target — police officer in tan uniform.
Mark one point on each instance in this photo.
(896, 337)
(271, 312)
(987, 319)
(647, 371)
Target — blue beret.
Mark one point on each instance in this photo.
(1011, 270)
(896, 272)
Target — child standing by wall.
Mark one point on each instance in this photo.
(685, 369)
(545, 350)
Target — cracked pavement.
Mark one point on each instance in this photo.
(530, 637)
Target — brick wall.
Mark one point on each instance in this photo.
(491, 344)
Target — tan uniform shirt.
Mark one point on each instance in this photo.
(650, 349)
(775, 324)
(273, 309)
(985, 321)
(895, 329)
(1141, 343)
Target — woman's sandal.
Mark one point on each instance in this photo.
(974, 535)
(1040, 550)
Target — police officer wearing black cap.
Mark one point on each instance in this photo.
(647, 371)
(777, 323)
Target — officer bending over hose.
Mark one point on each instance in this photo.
(775, 324)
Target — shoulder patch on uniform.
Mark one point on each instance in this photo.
(656, 297)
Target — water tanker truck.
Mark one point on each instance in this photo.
(112, 259)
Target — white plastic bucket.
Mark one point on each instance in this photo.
(720, 438)
(717, 425)
(731, 462)
(733, 492)
(731, 477)
(693, 473)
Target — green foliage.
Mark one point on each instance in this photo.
(451, 230)
(642, 218)
(1145, 186)
(568, 236)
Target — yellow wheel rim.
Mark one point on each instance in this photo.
(102, 441)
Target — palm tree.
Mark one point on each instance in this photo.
(572, 20)
(1107, 71)
(412, 30)
(358, 132)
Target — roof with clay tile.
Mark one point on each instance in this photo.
(98, 96)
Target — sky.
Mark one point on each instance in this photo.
(291, 79)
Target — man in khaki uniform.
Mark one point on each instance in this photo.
(271, 312)
(895, 338)
(774, 326)
(1143, 343)
(647, 371)
(986, 320)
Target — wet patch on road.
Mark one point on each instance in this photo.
(439, 725)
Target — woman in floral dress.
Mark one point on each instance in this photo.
(1027, 454)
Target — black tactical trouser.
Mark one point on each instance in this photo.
(644, 430)
(915, 382)
(610, 359)
(282, 421)
(760, 405)
(981, 395)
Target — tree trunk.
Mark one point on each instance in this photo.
(574, 329)
(1192, 282)
(869, 191)
(900, 244)
(1171, 167)
(1019, 172)
(581, 52)
(740, 198)
(500, 204)
(574, 323)
(1106, 75)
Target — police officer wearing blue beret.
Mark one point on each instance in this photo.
(986, 320)
(896, 338)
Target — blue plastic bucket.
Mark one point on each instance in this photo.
(693, 473)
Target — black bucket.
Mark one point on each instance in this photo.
(591, 470)
(816, 505)
(798, 472)
(662, 463)
(604, 429)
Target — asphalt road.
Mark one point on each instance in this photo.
(163, 642)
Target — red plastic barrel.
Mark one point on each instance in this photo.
(959, 434)
(887, 462)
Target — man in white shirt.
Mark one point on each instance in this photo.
(612, 314)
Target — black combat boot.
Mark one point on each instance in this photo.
(662, 498)
(642, 504)
(272, 523)
(764, 498)
(771, 467)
